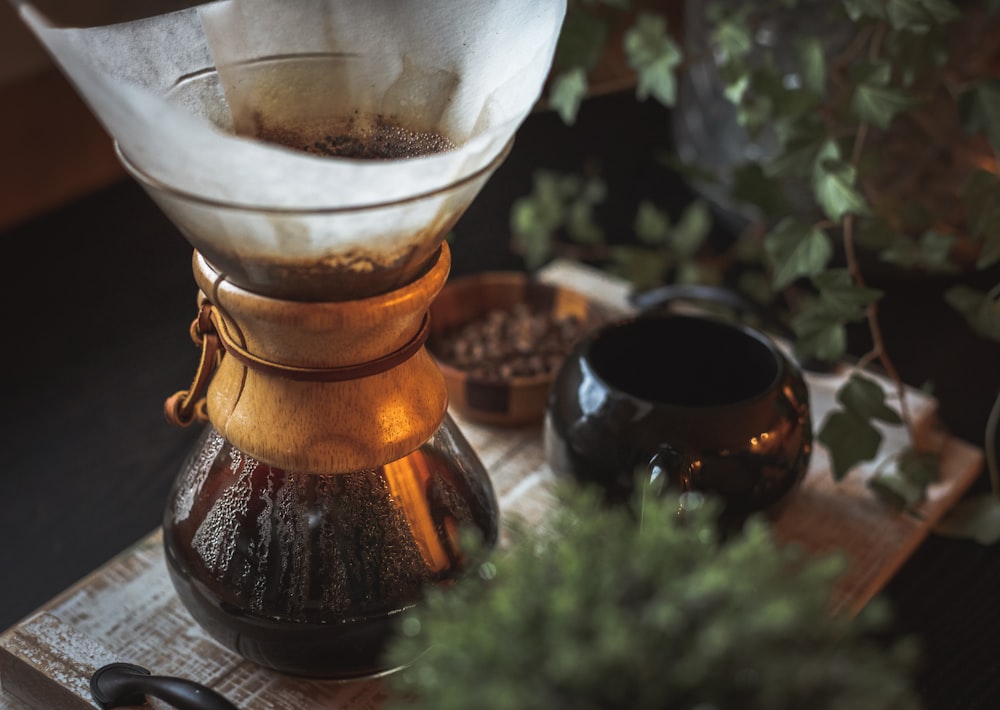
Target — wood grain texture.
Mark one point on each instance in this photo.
(131, 607)
(48, 663)
(317, 426)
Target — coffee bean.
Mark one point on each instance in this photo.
(512, 342)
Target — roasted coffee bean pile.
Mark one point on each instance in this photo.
(505, 343)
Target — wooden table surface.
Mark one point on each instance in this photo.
(127, 610)
(96, 319)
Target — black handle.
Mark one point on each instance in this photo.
(661, 297)
(122, 684)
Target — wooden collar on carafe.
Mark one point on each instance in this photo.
(210, 332)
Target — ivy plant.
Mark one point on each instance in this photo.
(647, 606)
(830, 107)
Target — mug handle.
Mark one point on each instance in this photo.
(669, 468)
(660, 298)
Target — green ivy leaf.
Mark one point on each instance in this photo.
(914, 53)
(984, 115)
(975, 518)
(802, 148)
(874, 73)
(736, 88)
(981, 310)
(534, 218)
(763, 100)
(836, 194)
(580, 224)
(651, 224)
(819, 333)
(850, 441)
(812, 62)
(895, 490)
(879, 104)
(644, 268)
(530, 237)
(581, 40)
(833, 184)
(754, 112)
(796, 249)
(930, 251)
(858, 9)
(694, 272)
(654, 55)
(841, 298)
(827, 342)
(865, 398)
(902, 482)
(567, 92)
(922, 467)
(557, 201)
(692, 229)
(910, 15)
(819, 324)
(731, 38)
(907, 14)
(935, 249)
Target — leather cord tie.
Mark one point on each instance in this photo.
(210, 331)
(187, 406)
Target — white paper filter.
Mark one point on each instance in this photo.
(172, 89)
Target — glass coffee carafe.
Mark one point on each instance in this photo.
(330, 485)
(315, 154)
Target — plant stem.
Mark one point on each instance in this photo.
(992, 466)
(871, 312)
(859, 144)
(874, 327)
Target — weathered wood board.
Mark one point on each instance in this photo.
(127, 610)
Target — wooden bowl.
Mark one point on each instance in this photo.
(492, 398)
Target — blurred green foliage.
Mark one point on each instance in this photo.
(647, 606)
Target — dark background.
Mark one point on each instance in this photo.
(96, 312)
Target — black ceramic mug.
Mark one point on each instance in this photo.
(702, 403)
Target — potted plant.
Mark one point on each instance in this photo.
(646, 606)
(832, 139)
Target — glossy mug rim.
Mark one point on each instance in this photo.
(777, 357)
